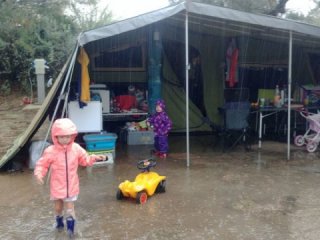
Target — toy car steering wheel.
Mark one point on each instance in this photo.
(146, 164)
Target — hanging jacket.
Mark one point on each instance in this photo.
(63, 161)
(83, 59)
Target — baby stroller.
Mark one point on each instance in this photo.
(311, 138)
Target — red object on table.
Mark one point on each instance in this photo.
(126, 102)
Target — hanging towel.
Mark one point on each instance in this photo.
(232, 63)
(233, 68)
(83, 59)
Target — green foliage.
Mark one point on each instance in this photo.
(33, 29)
(313, 17)
(255, 6)
(5, 88)
(270, 7)
(88, 15)
(28, 32)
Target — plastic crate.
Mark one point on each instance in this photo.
(100, 142)
(140, 137)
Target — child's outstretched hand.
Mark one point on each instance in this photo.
(39, 180)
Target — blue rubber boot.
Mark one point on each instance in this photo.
(60, 225)
(70, 225)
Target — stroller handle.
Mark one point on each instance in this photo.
(304, 112)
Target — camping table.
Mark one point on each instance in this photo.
(124, 116)
(268, 111)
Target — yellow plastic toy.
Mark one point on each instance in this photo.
(145, 184)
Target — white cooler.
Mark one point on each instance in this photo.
(101, 89)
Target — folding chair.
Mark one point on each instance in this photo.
(236, 112)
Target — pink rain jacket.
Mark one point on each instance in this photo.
(64, 161)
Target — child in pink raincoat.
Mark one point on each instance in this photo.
(63, 158)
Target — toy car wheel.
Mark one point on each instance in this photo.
(141, 197)
(299, 141)
(119, 195)
(312, 146)
(161, 188)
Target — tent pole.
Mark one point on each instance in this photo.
(187, 90)
(72, 61)
(66, 100)
(289, 93)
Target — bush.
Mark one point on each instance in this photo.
(5, 88)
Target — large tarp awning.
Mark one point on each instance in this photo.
(215, 13)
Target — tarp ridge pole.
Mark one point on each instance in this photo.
(289, 93)
(66, 100)
(61, 94)
(187, 87)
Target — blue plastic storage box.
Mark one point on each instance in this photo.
(99, 142)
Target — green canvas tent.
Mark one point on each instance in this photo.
(159, 50)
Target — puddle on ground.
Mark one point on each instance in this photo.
(235, 195)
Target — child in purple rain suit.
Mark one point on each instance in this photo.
(161, 126)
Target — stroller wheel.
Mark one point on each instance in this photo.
(299, 141)
(312, 146)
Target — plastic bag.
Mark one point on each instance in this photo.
(35, 152)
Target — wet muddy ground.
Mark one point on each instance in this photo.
(235, 195)
(14, 119)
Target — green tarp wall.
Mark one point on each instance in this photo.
(253, 52)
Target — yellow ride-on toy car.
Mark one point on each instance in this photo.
(145, 184)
